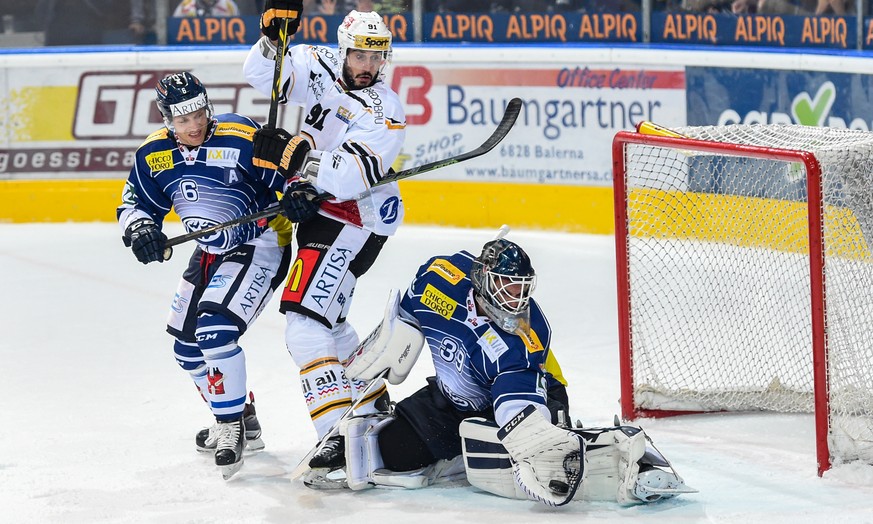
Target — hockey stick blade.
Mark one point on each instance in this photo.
(513, 108)
(303, 465)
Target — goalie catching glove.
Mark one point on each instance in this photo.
(548, 462)
(393, 346)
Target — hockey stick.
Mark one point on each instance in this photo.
(509, 117)
(275, 93)
(303, 466)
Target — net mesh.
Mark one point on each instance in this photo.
(719, 277)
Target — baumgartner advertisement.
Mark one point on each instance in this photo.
(571, 112)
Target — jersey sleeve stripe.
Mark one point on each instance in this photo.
(368, 162)
(371, 162)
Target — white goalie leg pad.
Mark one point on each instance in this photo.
(362, 448)
(439, 472)
(487, 462)
(620, 465)
(394, 346)
(625, 467)
(364, 465)
(548, 461)
(630, 450)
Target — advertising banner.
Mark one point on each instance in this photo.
(86, 122)
(571, 112)
(719, 96)
(836, 32)
(247, 30)
(681, 27)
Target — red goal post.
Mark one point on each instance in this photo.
(744, 278)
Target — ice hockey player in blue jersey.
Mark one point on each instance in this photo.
(489, 341)
(496, 410)
(200, 165)
(352, 131)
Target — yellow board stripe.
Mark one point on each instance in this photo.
(726, 219)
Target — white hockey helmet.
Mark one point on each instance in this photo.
(365, 31)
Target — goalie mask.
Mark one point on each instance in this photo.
(364, 32)
(503, 282)
(180, 94)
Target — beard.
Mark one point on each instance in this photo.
(351, 82)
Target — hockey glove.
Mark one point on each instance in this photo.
(299, 202)
(146, 240)
(280, 150)
(275, 11)
(548, 462)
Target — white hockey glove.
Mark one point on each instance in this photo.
(548, 462)
(394, 346)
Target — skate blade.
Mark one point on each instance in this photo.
(230, 470)
(324, 478)
(255, 444)
(673, 490)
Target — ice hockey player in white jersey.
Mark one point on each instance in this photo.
(200, 165)
(487, 412)
(353, 130)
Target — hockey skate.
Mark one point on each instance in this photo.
(206, 438)
(229, 447)
(326, 467)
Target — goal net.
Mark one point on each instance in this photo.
(745, 277)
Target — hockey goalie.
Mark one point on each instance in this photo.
(495, 412)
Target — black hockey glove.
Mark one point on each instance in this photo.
(280, 150)
(298, 202)
(275, 11)
(146, 240)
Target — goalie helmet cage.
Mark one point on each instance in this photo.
(744, 276)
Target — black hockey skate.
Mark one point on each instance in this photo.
(229, 447)
(206, 437)
(326, 466)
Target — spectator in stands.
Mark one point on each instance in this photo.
(319, 7)
(333, 7)
(762, 7)
(385, 7)
(142, 21)
(88, 22)
(214, 8)
(834, 7)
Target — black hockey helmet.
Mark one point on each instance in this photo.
(179, 94)
(504, 280)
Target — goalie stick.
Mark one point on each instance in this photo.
(509, 117)
(303, 466)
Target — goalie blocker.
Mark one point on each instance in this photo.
(393, 346)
